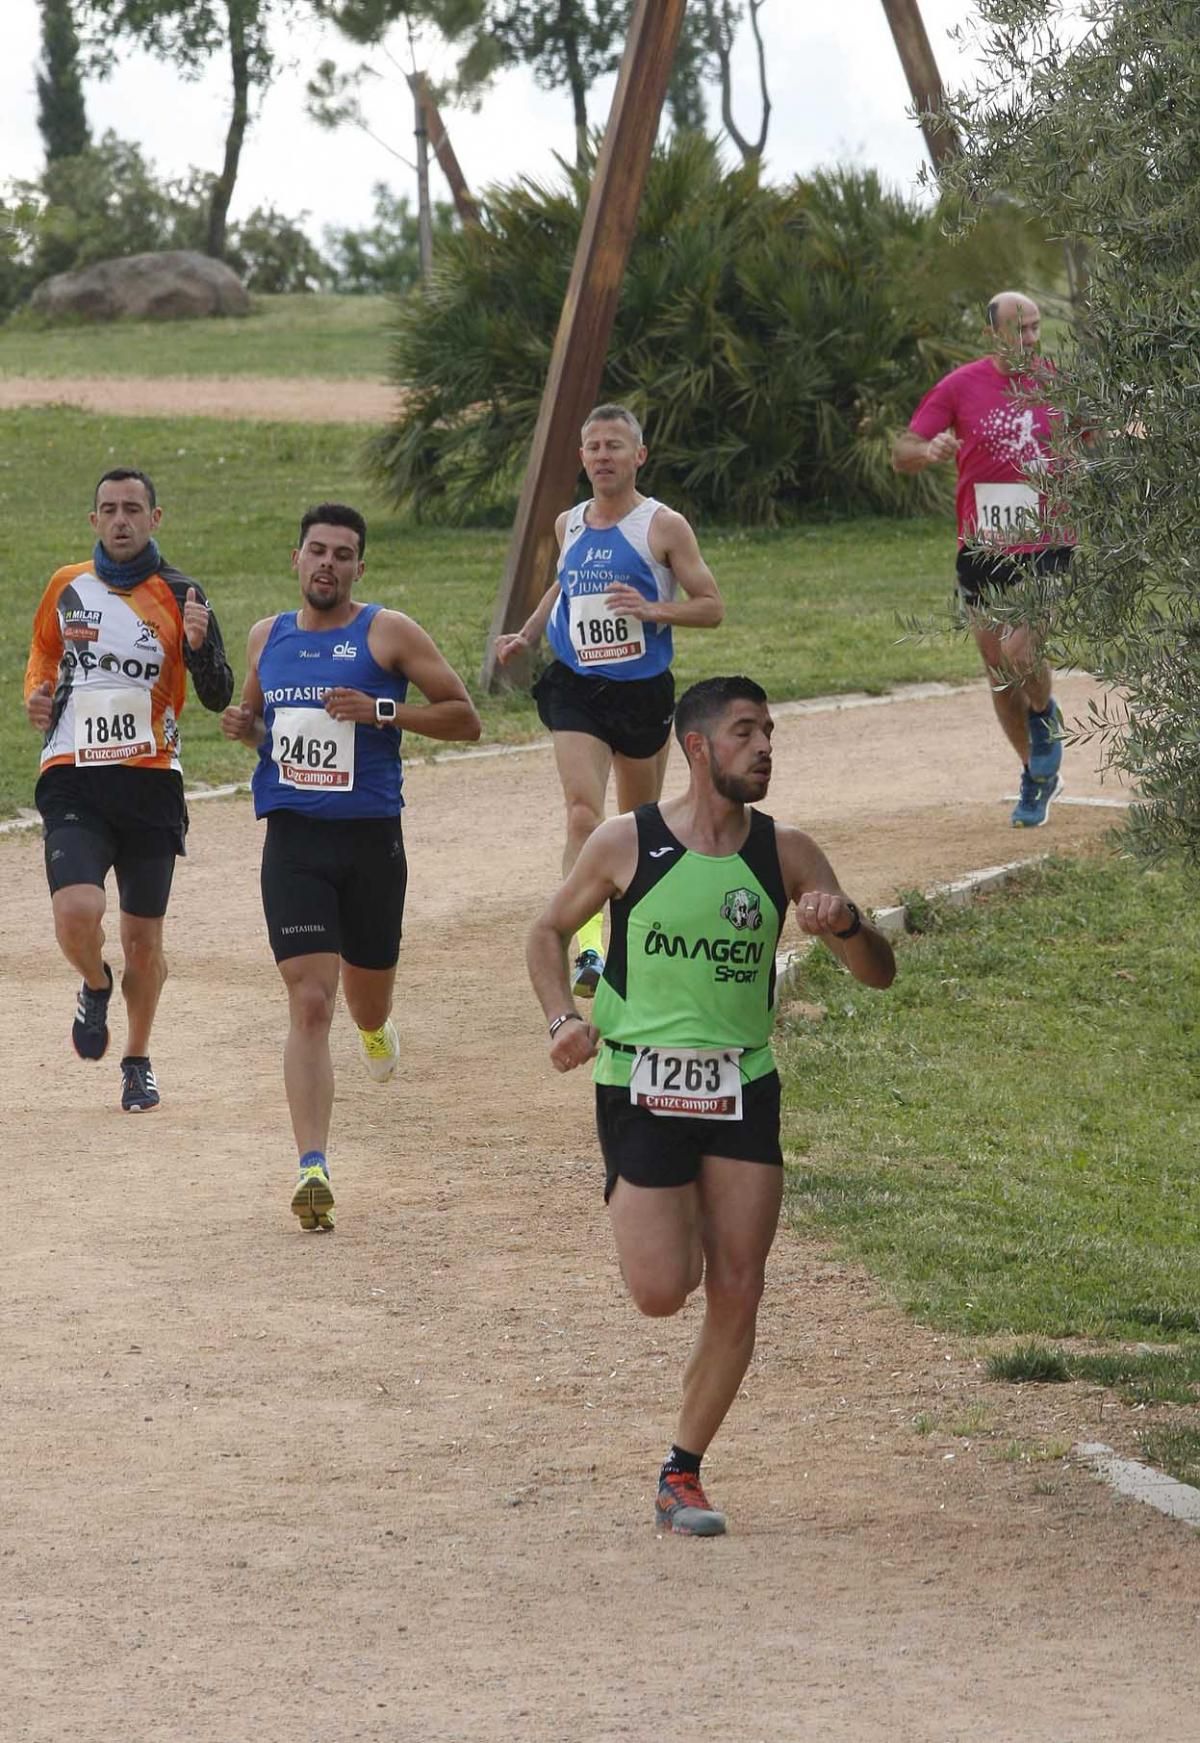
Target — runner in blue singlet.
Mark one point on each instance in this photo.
(608, 696)
(325, 703)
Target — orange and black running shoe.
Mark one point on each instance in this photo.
(682, 1507)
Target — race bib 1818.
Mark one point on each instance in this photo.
(1006, 513)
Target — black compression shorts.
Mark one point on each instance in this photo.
(650, 1149)
(334, 886)
(982, 572)
(633, 718)
(130, 821)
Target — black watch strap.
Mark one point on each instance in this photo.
(855, 924)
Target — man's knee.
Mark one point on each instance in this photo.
(582, 819)
(311, 1004)
(734, 1292)
(661, 1292)
(144, 954)
(78, 911)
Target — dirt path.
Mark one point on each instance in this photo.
(396, 1484)
(255, 397)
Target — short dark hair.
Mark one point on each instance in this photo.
(334, 514)
(699, 708)
(117, 475)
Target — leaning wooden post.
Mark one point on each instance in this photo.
(585, 326)
(924, 82)
(439, 142)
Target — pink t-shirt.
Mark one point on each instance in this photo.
(1005, 444)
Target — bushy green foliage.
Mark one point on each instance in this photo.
(771, 339)
(1093, 113)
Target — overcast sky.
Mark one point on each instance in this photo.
(836, 85)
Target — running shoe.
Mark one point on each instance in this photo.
(380, 1049)
(1033, 807)
(589, 966)
(89, 1031)
(312, 1200)
(682, 1507)
(139, 1091)
(1045, 745)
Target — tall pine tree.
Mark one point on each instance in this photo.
(62, 118)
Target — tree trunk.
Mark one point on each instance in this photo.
(576, 80)
(222, 194)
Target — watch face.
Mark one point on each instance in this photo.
(385, 708)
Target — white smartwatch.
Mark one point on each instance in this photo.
(385, 711)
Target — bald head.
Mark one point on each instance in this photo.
(1016, 323)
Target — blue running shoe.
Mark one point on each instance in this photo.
(1033, 807)
(1045, 745)
(589, 966)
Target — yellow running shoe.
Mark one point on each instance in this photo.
(380, 1049)
(312, 1200)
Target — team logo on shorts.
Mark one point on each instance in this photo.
(742, 910)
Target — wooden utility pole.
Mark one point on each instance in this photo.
(924, 83)
(424, 212)
(439, 143)
(585, 326)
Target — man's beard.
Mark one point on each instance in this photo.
(321, 604)
(740, 789)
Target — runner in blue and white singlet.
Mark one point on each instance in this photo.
(585, 632)
(325, 703)
(608, 697)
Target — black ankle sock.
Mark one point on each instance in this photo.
(679, 1462)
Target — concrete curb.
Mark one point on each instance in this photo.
(890, 921)
(1141, 1482)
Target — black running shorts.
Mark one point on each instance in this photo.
(334, 886)
(633, 718)
(658, 1150)
(982, 572)
(129, 821)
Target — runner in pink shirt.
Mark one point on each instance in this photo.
(981, 416)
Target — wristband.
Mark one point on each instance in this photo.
(566, 1017)
(855, 923)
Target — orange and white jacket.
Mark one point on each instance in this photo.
(117, 661)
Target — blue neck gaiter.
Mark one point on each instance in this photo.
(125, 575)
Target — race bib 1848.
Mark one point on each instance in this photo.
(312, 750)
(688, 1082)
(112, 725)
(1006, 513)
(601, 637)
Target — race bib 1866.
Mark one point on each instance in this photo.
(312, 749)
(1006, 513)
(112, 725)
(601, 637)
(688, 1082)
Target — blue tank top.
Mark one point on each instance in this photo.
(583, 633)
(309, 762)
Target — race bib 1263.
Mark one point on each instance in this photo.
(688, 1082)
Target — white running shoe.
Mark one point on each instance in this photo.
(380, 1049)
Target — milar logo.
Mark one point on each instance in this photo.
(345, 651)
(80, 625)
(742, 910)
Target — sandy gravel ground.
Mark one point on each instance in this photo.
(396, 1484)
(255, 397)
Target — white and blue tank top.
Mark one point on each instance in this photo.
(583, 632)
(309, 762)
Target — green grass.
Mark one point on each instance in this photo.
(1010, 1136)
(1143, 1376)
(809, 611)
(284, 336)
(1175, 1448)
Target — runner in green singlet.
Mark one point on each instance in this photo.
(687, 1096)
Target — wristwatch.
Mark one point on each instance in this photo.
(385, 711)
(855, 923)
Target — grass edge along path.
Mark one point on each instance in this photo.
(1007, 1139)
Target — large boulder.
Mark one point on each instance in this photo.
(173, 286)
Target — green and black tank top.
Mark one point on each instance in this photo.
(691, 953)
